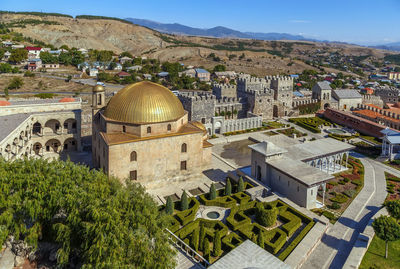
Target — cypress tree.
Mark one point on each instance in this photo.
(184, 201)
(169, 208)
(240, 185)
(254, 238)
(217, 244)
(213, 192)
(228, 187)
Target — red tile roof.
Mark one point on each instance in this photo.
(67, 99)
(4, 103)
(33, 48)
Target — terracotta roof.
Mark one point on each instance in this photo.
(67, 99)
(4, 103)
(33, 48)
(374, 115)
(372, 105)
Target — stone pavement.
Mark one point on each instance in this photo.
(184, 262)
(337, 243)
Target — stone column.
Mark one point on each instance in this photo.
(323, 193)
(347, 158)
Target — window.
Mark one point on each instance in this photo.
(65, 125)
(183, 165)
(184, 147)
(149, 130)
(169, 127)
(298, 188)
(133, 175)
(74, 125)
(57, 126)
(133, 156)
(123, 128)
(203, 120)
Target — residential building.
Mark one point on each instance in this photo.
(34, 52)
(93, 72)
(202, 74)
(34, 64)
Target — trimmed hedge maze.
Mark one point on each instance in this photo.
(280, 239)
(310, 124)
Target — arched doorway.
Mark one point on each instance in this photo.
(70, 145)
(54, 125)
(327, 105)
(37, 147)
(37, 128)
(53, 145)
(275, 111)
(70, 125)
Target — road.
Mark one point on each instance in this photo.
(337, 243)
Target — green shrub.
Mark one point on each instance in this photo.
(335, 205)
(240, 186)
(173, 224)
(333, 183)
(202, 235)
(350, 193)
(266, 214)
(231, 241)
(195, 239)
(206, 249)
(274, 240)
(188, 215)
(184, 201)
(329, 215)
(260, 239)
(228, 187)
(339, 198)
(224, 201)
(169, 209)
(213, 193)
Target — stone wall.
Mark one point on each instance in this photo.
(224, 90)
(221, 125)
(388, 94)
(372, 99)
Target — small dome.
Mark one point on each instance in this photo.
(98, 88)
(67, 99)
(144, 102)
(4, 103)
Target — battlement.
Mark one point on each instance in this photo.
(195, 96)
(263, 92)
(279, 78)
(219, 86)
(229, 100)
(251, 80)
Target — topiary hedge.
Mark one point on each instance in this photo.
(274, 240)
(231, 241)
(292, 223)
(188, 215)
(224, 201)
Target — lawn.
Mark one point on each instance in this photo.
(241, 224)
(375, 255)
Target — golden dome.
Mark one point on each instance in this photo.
(144, 102)
(98, 88)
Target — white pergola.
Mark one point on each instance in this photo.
(390, 144)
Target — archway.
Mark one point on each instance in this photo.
(70, 145)
(327, 105)
(37, 128)
(53, 145)
(70, 125)
(37, 147)
(53, 125)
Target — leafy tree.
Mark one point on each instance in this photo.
(169, 208)
(5, 68)
(137, 61)
(184, 201)
(48, 58)
(77, 58)
(393, 207)
(195, 239)
(387, 229)
(112, 65)
(213, 192)
(18, 55)
(15, 83)
(240, 187)
(228, 187)
(92, 217)
(206, 248)
(217, 244)
(219, 68)
(260, 239)
(65, 58)
(126, 54)
(64, 47)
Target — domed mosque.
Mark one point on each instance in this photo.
(143, 134)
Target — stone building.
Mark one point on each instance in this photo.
(347, 99)
(387, 94)
(299, 171)
(43, 128)
(322, 91)
(143, 134)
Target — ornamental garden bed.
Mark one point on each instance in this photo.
(311, 123)
(395, 164)
(341, 191)
(393, 187)
(275, 226)
(291, 131)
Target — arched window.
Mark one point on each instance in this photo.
(184, 147)
(149, 130)
(133, 156)
(169, 127)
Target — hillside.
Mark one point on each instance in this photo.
(242, 55)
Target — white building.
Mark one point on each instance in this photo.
(299, 171)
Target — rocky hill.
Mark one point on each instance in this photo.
(242, 55)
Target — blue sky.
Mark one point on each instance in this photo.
(358, 21)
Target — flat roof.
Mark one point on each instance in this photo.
(267, 148)
(9, 123)
(299, 171)
(317, 148)
(40, 101)
(249, 255)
